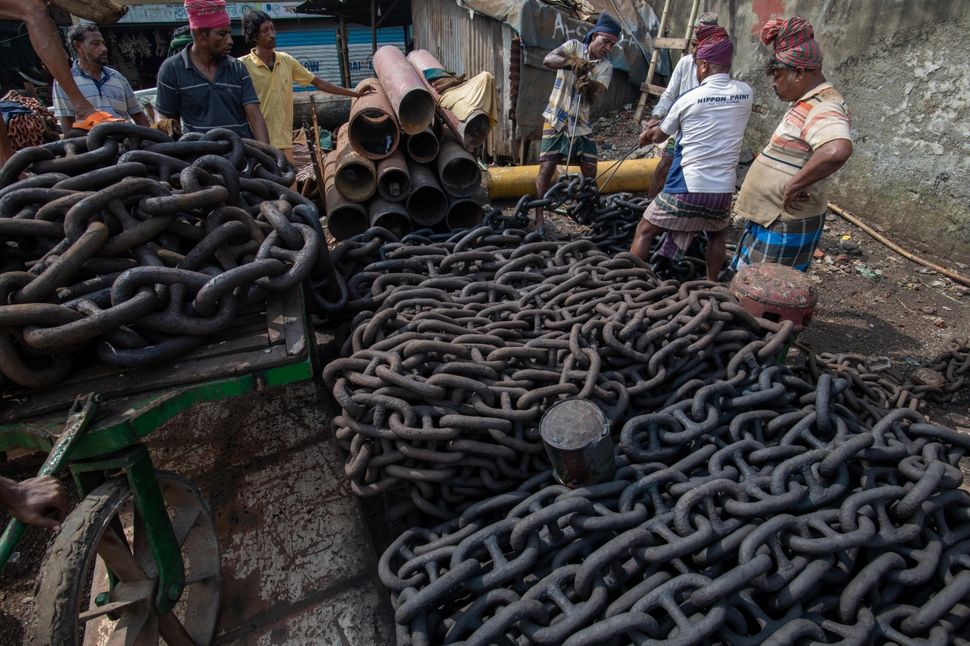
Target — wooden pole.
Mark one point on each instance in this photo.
(373, 26)
(949, 273)
(344, 53)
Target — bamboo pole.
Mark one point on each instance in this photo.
(949, 273)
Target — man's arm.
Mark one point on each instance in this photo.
(330, 88)
(256, 122)
(32, 500)
(652, 135)
(827, 158)
(670, 94)
(140, 119)
(561, 58)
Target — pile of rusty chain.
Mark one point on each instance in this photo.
(143, 247)
(754, 510)
(873, 393)
(612, 221)
(460, 346)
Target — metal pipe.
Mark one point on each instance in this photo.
(423, 147)
(355, 176)
(421, 60)
(344, 218)
(464, 213)
(393, 179)
(427, 204)
(392, 216)
(373, 128)
(474, 130)
(632, 176)
(410, 98)
(458, 170)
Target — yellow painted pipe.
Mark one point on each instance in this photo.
(632, 176)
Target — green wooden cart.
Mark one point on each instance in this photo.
(137, 560)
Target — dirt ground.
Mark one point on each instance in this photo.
(872, 302)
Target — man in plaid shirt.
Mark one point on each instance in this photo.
(584, 73)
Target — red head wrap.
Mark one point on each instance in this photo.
(713, 45)
(207, 14)
(794, 42)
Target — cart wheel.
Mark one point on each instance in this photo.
(74, 603)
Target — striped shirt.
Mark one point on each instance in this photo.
(815, 119)
(565, 103)
(111, 93)
(202, 104)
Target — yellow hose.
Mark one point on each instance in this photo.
(632, 176)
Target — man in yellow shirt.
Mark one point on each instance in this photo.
(274, 74)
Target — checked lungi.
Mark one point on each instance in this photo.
(789, 243)
(555, 146)
(684, 214)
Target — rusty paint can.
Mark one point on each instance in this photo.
(576, 434)
(776, 292)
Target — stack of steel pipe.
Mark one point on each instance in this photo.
(397, 163)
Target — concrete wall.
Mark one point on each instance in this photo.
(904, 68)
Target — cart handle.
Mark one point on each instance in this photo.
(80, 416)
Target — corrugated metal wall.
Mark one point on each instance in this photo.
(316, 49)
(468, 46)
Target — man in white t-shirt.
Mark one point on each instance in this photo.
(682, 79)
(708, 123)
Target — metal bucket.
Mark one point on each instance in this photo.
(576, 434)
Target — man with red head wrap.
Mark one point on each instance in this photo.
(708, 123)
(784, 193)
(204, 86)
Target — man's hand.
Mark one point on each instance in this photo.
(792, 198)
(651, 135)
(40, 501)
(364, 91)
(580, 66)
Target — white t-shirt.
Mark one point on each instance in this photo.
(709, 123)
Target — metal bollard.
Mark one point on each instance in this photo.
(576, 435)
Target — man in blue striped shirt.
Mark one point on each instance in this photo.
(206, 87)
(105, 87)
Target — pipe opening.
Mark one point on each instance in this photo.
(416, 111)
(427, 205)
(423, 146)
(394, 184)
(355, 181)
(465, 214)
(474, 130)
(461, 175)
(396, 223)
(374, 133)
(346, 221)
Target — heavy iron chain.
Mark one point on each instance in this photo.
(458, 348)
(751, 510)
(872, 392)
(611, 221)
(141, 248)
